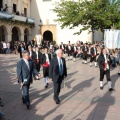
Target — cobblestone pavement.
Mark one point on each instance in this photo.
(81, 98)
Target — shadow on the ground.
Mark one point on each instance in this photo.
(102, 104)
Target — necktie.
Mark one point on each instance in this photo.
(61, 67)
(28, 65)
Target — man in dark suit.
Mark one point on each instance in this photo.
(46, 58)
(69, 47)
(104, 65)
(25, 70)
(57, 72)
(85, 51)
(62, 46)
(93, 54)
(37, 58)
(21, 49)
(74, 51)
(31, 52)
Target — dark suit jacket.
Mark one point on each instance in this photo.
(61, 46)
(33, 54)
(39, 57)
(83, 49)
(101, 61)
(24, 73)
(54, 69)
(92, 51)
(68, 50)
(72, 49)
(43, 60)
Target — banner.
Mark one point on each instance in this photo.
(112, 38)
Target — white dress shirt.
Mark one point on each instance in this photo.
(4, 45)
(69, 47)
(107, 66)
(75, 48)
(22, 49)
(30, 53)
(47, 58)
(94, 50)
(62, 47)
(37, 54)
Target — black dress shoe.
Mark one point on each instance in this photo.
(28, 106)
(111, 89)
(58, 102)
(23, 102)
(46, 86)
(101, 88)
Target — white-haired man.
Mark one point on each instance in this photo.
(57, 72)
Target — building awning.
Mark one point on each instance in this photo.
(23, 19)
(20, 18)
(30, 20)
(5, 15)
(12, 17)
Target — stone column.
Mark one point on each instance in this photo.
(9, 37)
(22, 37)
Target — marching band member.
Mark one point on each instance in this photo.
(93, 54)
(62, 47)
(69, 52)
(46, 57)
(104, 65)
(31, 52)
(37, 58)
(74, 51)
(85, 51)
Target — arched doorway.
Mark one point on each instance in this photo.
(15, 34)
(26, 35)
(3, 33)
(48, 36)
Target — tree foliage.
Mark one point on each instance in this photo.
(91, 14)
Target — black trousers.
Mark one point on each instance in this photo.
(38, 66)
(45, 71)
(69, 53)
(25, 93)
(20, 54)
(4, 50)
(102, 73)
(85, 56)
(92, 58)
(1, 51)
(63, 51)
(57, 88)
(74, 54)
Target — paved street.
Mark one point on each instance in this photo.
(81, 99)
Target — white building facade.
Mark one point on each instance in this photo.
(41, 11)
(15, 20)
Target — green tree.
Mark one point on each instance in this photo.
(91, 14)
